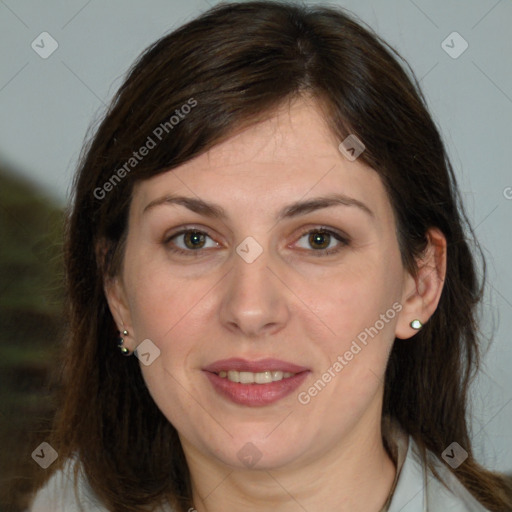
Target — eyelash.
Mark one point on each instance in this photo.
(343, 239)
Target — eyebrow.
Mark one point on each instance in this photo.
(293, 210)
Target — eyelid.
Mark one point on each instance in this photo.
(322, 228)
(185, 229)
(342, 238)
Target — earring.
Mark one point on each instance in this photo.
(124, 350)
(416, 324)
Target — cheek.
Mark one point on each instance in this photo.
(356, 298)
(163, 308)
(159, 300)
(360, 307)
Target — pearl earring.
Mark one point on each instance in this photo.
(124, 350)
(416, 325)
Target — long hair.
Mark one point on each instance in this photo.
(189, 91)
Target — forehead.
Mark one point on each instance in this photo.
(292, 132)
(292, 155)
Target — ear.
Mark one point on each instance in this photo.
(118, 305)
(114, 290)
(421, 293)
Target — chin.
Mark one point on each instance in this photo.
(254, 450)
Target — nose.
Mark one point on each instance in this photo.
(254, 298)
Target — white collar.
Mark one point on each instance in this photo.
(416, 489)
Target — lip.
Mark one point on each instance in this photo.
(242, 365)
(255, 395)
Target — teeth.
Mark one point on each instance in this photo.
(263, 377)
(246, 377)
(255, 378)
(277, 376)
(234, 376)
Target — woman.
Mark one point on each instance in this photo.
(267, 223)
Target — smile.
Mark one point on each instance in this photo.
(254, 383)
(255, 378)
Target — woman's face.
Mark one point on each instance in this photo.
(243, 280)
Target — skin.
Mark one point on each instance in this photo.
(288, 304)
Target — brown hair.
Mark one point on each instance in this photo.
(233, 65)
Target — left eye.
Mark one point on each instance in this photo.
(321, 239)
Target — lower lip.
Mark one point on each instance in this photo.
(255, 395)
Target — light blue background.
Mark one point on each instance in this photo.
(46, 106)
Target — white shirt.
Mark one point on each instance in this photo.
(418, 490)
(415, 489)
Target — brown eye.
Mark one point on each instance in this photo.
(323, 241)
(194, 239)
(189, 242)
(320, 239)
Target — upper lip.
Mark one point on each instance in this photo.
(262, 365)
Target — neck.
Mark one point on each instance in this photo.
(355, 475)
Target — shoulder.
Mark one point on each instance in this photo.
(453, 496)
(60, 494)
(418, 490)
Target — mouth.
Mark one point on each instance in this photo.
(255, 378)
(254, 383)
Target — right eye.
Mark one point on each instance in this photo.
(193, 241)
